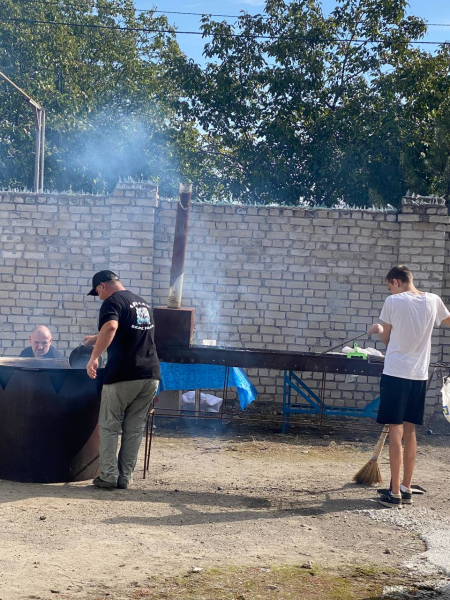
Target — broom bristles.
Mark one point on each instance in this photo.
(369, 474)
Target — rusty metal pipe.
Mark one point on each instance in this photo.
(37, 154)
(179, 246)
(39, 118)
(42, 158)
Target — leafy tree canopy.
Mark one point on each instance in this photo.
(106, 92)
(295, 104)
(291, 105)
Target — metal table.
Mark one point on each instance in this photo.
(291, 363)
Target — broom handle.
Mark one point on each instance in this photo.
(380, 443)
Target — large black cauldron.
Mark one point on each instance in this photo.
(48, 421)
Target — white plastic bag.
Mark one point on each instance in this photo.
(208, 403)
(446, 398)
(366, 351)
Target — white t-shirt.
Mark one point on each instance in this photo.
(412, 317)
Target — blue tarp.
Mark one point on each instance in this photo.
(176, 376)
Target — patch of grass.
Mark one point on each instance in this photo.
(285, 582)
(362, 571)
(291, 452)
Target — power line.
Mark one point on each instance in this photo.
(176, 12)
(227, 35)
(146, 10)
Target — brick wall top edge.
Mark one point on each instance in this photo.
(422, 200)
(136, 185)
(274, 210)
(52, 195)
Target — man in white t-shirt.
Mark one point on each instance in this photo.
(409, 317)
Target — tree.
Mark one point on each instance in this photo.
(424, 88)
(294, 104)
(107, 93)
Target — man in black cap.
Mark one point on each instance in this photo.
(131, 377)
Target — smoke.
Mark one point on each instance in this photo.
(212, 319)
(113, 145)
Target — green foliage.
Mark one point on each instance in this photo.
(106, 93)
(424, 88)
(298, 106)
(292, 104)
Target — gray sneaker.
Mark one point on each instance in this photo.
(101, 483)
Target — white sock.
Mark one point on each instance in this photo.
(404, 489)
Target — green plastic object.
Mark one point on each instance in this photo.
(356, 354)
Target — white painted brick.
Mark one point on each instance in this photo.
(277, 276)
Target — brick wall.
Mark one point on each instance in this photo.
(300, 279)
(279, 278)
(51, 244)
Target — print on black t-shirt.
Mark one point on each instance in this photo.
(132, 353)
(143, 319)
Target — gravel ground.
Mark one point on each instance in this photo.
(240, 496)
(434, 529)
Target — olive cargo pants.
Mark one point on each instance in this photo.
(131, 400)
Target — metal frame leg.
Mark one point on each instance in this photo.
(148, 440)
(197, 402)
(322, 398)
(283, 424)
(225, 391)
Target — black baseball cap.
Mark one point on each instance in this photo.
(102, 277)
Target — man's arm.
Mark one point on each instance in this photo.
(104, 338)
(383, 332)
(446, 322)
(90, 340)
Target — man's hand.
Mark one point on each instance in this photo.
(90, 340)
(384, 332)
(376, 328)
(92, 367)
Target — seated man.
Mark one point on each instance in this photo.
(41, 347)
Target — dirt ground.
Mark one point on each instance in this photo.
(233, 511)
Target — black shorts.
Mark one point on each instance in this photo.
(401, 400)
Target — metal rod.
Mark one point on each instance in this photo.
(322, 398)
(37, 156)
(225, 391)
(29, 99)
(39, 118)
(197, 402)
(342, 343)
(41, 178)
(152, 423)
(148, 440)
(179, 246)
(146, 445)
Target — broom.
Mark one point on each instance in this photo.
(370, 472)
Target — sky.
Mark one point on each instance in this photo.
(434, 11)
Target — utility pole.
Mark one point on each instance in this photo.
(39, 119)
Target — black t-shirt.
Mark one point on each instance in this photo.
(52, 353)
(132, 353)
